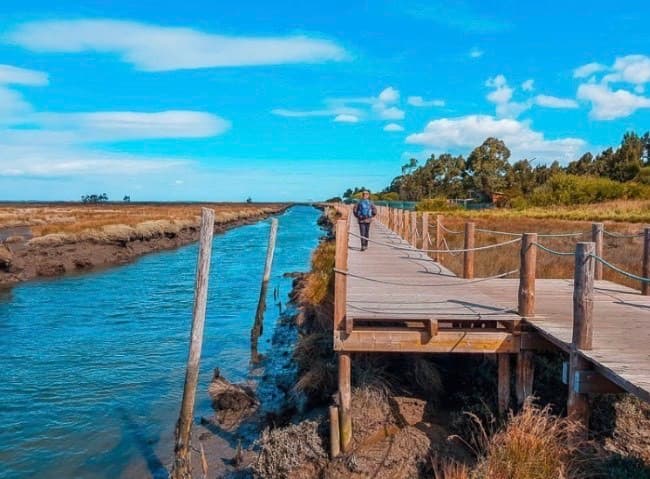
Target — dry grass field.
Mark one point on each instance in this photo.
(625, 253)
(71, 222)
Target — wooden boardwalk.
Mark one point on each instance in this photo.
(393, 297)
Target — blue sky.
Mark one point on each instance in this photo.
(299, 100)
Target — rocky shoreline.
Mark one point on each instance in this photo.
(55, 255)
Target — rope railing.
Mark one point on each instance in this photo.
(619, 270)
(552, 251)
(428, 285)
(447, 230)
(612, 234)
(540, 235)
(461, 250)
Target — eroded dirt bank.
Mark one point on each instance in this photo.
(23, 258)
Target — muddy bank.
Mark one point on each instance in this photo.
(23, 259)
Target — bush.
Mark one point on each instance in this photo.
(563, 189)
(436, 204)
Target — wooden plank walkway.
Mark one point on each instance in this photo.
(403, 288)
(406, 288)
(621, 326)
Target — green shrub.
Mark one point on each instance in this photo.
(564, 189)
(436, 204)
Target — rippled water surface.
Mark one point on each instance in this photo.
(92, 366)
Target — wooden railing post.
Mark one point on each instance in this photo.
(583, 292)
(597, 230)
(645, 271)
(414, 229)
(468, 256)
(424, 242)
(527, 271)
(405, 225)
(438, 256)
(340, 279)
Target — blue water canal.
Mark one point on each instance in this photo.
(92, 366)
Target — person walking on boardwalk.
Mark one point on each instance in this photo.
(364, 211)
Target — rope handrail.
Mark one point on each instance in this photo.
(619, 270)
(447, 230)
(552, 251)
(444, 241)
(539, 235)
(612, 234)
(463, 250)
(418, 285)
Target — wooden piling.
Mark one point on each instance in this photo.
(468, 255)
(597, 230)
(438, 256)
(527, 273)
(340, 280)
(335, 432)
(524, 376)
(503, 362)
(406, 224)
(645, 271)
(583, 291)
(345, 399)
(182, 469)
(424, 241)
(258, 326)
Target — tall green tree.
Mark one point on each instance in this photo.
(487, 166)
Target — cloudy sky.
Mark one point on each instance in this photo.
(299, 100)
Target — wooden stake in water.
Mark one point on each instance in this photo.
(181, 468)
(258, 326)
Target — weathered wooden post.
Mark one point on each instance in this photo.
(335, 432)
(424, 242)
(258, 327)
(345, 399)
(438, 256)
(597, 230)
(468, 256)
(405, 224)
(645, 271)
(503, 393)
(583, 305)
(528, 261)
(182, 469)
(414, 229)
(524, 376)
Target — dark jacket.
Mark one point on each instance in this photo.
(356, 211)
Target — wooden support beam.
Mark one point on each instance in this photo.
(590, 382)
(424, 241)
(583, 291)
(524, 376)
(408, 340)
(597, 230)
(340, 279)
(432, 326)
(468, 256)
(527, 273)
(645, 272)
(503, 363)
(345, 399)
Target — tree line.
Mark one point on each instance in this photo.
(487, 175)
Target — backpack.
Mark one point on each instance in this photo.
(364, 209)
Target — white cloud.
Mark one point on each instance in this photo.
(13, 106)
(21, 76)
(528, 85)
(502, 93)
(346, 119)
(476, 53)
(391, 113)
(418, 101)
(393, 127)
(389, 95)
(634, 69)
(156, 48)
(130, 125)
(587, 70)
(470, 131)
(549, 101)
(607, 104)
